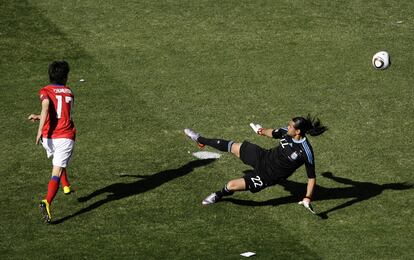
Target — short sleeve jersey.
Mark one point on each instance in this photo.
(59, 122)
(289, 155)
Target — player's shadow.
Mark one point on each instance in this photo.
(359, 191)
(146, 183)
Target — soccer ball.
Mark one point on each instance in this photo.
(381, 60)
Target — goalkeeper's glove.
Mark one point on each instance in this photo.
(307, 205)
(258, 129)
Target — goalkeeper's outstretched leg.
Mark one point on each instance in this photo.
(219, 144)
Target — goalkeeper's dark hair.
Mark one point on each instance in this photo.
(58, 72)
(309, 125)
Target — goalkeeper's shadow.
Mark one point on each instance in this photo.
(357, 192)
(121, 190)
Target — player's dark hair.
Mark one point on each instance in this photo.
(309, 125)
(58, 72)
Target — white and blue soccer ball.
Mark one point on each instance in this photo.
(381, 60)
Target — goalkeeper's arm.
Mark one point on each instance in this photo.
(266, 132)
(306, 201)
(309, 189)
(269, 132)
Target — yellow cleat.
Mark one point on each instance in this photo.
(44, 207)
(67, 190)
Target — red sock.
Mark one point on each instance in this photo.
(64, 178)
(52, 189)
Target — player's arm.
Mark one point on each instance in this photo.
(309, 189)
(269, 132)
(34, 117)
(43, 115)
(306, 201)
(310, 172)
(266, 132)
(276, 133)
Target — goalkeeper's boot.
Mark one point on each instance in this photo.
(45, 208)
(194, 136)
(212, 198)
(67, 190)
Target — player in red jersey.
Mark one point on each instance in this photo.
(56, 130)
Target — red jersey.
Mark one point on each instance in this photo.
(59, 122)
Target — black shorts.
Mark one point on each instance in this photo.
(251, 154)
(256, 180)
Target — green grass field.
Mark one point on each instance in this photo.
(152, 68)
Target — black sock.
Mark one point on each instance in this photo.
(219, 144)
(224, 192)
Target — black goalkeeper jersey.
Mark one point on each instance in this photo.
(289, 155)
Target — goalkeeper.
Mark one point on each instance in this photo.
(269, 166)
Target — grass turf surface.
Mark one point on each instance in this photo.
(153, 68)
